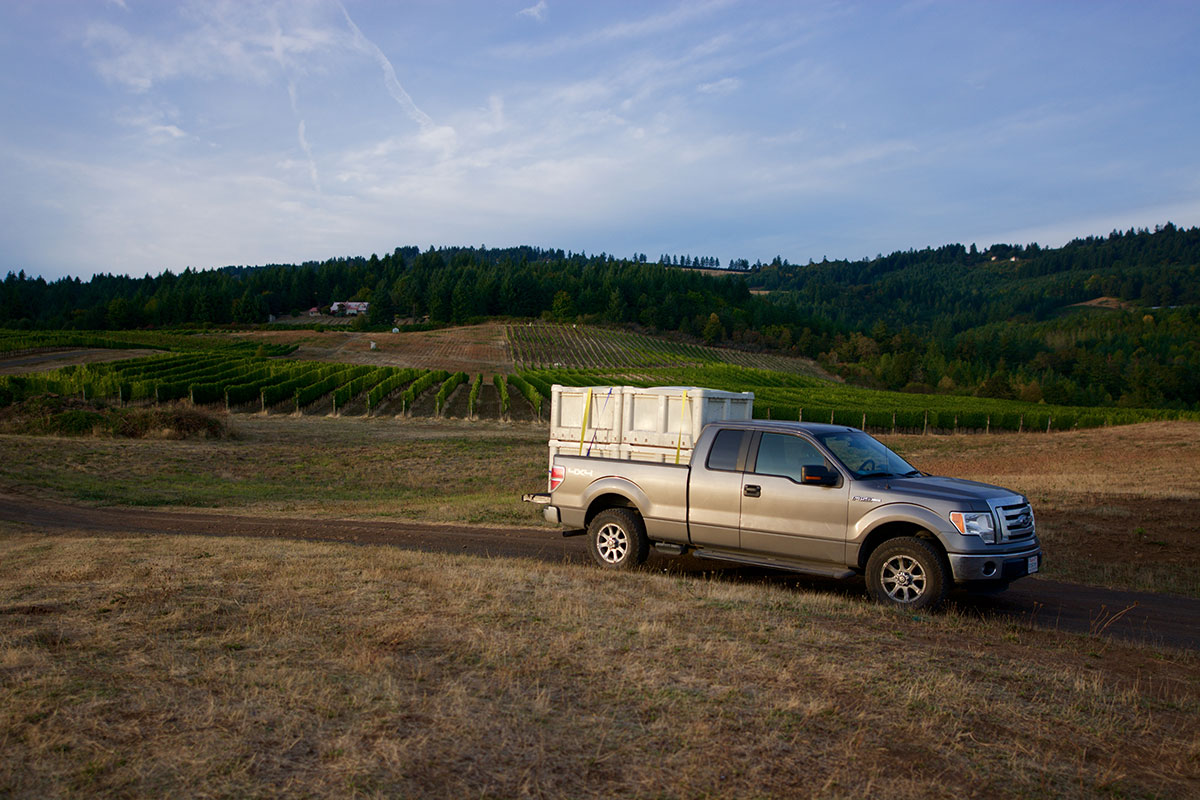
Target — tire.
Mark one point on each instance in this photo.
(907, 573)
(617, 539)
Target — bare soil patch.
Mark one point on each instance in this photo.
(473, 349)
(487, 405)
(17, 364)
(1105, 302)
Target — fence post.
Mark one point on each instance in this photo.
(893, 422)
(956, 423)
(1048, 421)
(864, 425)
(988, 429)
(802, 414)
(1021, 424)
(926, 431)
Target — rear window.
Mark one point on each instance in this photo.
(725, 449)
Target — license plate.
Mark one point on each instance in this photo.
(1032, 565)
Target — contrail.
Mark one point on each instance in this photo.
(312, 164)
(300, 131)
(389, 74)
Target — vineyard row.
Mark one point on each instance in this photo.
(250, 384)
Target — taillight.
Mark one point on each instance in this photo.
(556, 477)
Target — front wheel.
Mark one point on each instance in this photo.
(907, 572)
(617, 539)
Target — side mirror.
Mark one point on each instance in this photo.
(818, 475)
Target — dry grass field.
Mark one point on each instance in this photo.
(138, 665)
(1116, 507)
(201, 667)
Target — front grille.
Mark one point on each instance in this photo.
(1016, 522)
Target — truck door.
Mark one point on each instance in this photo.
(783, 517)
(715, 491)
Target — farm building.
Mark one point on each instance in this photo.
(350, 308)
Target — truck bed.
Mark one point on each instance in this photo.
(659, 490)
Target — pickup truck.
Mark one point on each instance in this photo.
(824, 499)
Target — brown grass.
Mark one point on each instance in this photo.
(1116, 506)
(208, 668)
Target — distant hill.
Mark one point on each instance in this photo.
(1101, 321)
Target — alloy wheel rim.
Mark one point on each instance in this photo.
(612, 543)
(903, 579)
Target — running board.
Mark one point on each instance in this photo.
(808, 567)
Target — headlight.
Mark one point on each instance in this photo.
(974, 523)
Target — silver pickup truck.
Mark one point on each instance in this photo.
(823, 499)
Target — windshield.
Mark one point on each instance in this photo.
(865, 456)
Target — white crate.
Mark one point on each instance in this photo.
(600, 404)
(631, 415)
(673, 416)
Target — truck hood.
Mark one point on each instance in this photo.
(935, 488)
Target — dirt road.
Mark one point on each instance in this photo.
(1157, 619)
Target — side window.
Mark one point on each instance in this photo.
(725, 450)
(779, 454)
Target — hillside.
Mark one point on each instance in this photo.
(1007, 322)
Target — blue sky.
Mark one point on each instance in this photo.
(139, 136)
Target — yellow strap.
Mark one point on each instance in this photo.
(679, 443)
(587, 412)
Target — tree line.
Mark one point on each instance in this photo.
(1002, 322)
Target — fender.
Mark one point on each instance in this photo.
(622, 487)
(891, 513)
(665, 520)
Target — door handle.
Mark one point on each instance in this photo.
(752, 491)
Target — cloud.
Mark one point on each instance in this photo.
(537, 12)
(215, 40)
(167, 130)
(721, 87)
(652, 25)
(154, 124)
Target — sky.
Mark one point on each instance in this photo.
(138, 136)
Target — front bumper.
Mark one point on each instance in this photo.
(996, 566)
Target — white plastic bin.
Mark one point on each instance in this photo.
(650, 424)
(673, 416)
(570, 404)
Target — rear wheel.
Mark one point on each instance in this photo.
(617, 539)
(907, 572)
